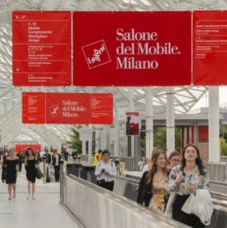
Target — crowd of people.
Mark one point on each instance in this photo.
(13, 162)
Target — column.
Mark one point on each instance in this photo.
(131, 109)
(106, 137)
(196, 134)
(84, 147)
(117, 133)
(214, 144)
(149, 123)
(90, 156)
(170, 122)
(97, 140)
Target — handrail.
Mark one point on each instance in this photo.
(128, 203)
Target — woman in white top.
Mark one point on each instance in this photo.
(105, 172)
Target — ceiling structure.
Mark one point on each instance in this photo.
(10, 97)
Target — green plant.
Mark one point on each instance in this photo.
(223, 147)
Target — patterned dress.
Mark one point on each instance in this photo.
(157, 201)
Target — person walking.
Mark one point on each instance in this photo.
(21, 160)
(153, 183)
(97, 157)
(56, 163)
(173, 160)
(105, 172)
(12, 165)
(30, 162)
(185, 180)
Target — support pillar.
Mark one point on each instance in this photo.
(97, 140)
(84, 147)
(170, 121)
(196, 135)
(90, 156)
(214, 144)
(117, 132)
(149, 123)
(131, 109)
(106, 138)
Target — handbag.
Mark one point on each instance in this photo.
(39, 173)
(4, 174)
(169, 207)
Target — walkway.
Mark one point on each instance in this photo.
(45, 211)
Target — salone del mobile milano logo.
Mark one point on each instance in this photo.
(96, 54)
(132, 48)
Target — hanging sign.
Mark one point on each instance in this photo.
(129, 49)
(24, 147)
(132, 123)
(209, 47)
(101, 108)
(68, 108)
(41, 48)
(33, 108)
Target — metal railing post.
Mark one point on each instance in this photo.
(44, 171)
(62, 182)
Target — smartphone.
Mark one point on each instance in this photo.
(103, 170)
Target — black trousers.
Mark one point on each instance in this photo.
(106, 185)
(56, 172)
(187, 219)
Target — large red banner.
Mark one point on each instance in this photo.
(209, 47)
(41, 48)
(24, 147)
(33, 108)
(68, 108)
(132, 48)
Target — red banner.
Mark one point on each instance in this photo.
(68, 108)
(33, 108)
(209, 47)
(101, 108)
(24, 147)
(132, 123)
(41, 48)
(128, 49)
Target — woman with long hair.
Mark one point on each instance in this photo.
(30, 162)
(12, 165)
(56, 163)
(185, 180)
(147, 166)
(173, 160)
(153, 183)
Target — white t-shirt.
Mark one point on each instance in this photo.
(56, 160)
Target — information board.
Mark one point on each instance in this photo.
(209, 47)
(41, 48)
(101, 108)
(33, 108)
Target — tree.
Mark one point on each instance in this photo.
(223, 147)
(160, 138)
(75, 142)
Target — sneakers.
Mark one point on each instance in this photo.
(29, 197)
(10, 198)
(14, 195)
(33, 197)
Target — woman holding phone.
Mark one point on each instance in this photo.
(105, 172)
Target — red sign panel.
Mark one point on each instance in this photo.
(41, 48)
(209, 47)
(24, 147)
(33, 108)
(68, 108)
(101, 108)
(129, 49)
(132, 123)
